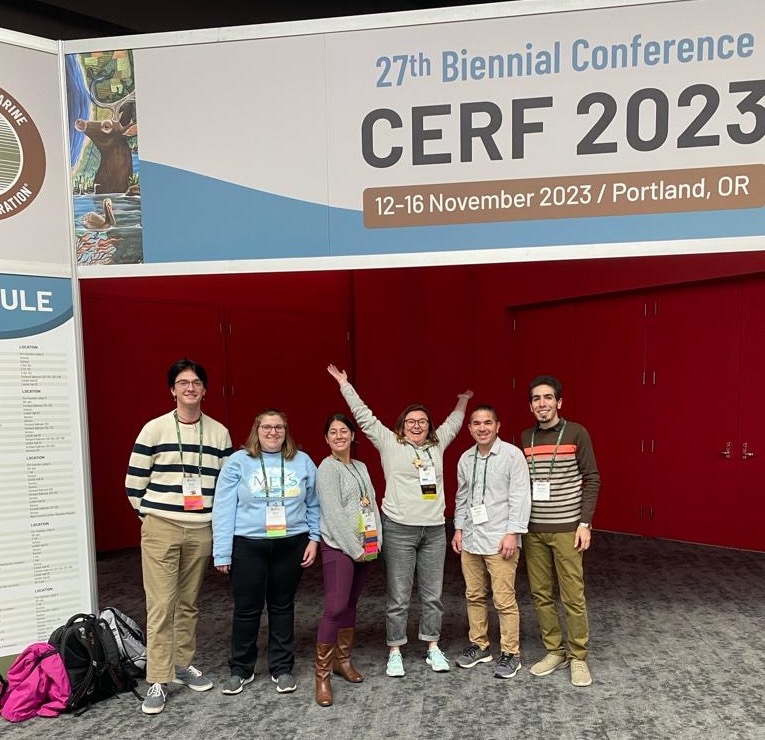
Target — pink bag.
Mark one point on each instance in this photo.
(37, 684)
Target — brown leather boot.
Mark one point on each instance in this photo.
(324, 656)
(342, 665)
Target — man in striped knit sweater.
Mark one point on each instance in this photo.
(564, 490)
(171, 483)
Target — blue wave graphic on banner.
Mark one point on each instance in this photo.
(190, 217)
(32, 305)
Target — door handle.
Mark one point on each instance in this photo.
(726, 453)
(745, 451)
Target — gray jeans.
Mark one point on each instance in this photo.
(406, 549)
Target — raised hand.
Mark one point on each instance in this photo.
(339, 375)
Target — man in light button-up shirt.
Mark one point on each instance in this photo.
(492, 511)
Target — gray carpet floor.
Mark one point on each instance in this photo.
(677, 652)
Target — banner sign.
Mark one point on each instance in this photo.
(582, 127)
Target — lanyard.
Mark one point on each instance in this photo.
(265, 477)
(180, 445)
(472, 484)
(555, 451)
(356, 475)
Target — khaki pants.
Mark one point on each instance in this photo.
(545, 551)
(174, 560)
(482, 572)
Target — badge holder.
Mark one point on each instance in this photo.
(193, 500)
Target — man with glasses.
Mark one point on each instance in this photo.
(564, 490)
(171, 483)
(491, 513)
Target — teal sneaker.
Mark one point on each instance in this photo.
(437, 661)
(395, 667)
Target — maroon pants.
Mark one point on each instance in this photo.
(344, 580)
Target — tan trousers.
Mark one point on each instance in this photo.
(482, 572)
(174, 560)
(551, 555)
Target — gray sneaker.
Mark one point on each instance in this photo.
(234, 684)
(193, 678)
(284, 683)
(154, 702)
(473, 655)
(507, 666)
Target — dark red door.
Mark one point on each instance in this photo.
(749, 447)
(610, 397)
(693, 375)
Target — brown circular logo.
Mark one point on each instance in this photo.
(22, 157)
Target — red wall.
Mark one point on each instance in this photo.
(405, 335)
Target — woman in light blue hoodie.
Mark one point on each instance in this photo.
(265, 532)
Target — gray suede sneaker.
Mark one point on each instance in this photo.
(154, 702)
(193, 678)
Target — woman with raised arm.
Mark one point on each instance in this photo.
(412, 456)
(351, 537)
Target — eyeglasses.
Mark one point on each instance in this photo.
(416, 422)
(278, 428)
(186, 383)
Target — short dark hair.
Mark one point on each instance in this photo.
(485, 407)
(185, 364)
(550, 380)
(343, 419)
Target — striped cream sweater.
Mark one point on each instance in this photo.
(154, 477)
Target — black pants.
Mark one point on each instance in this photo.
(265, 572)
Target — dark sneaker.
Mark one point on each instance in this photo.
(155, 699)
(473, 655)
(193, 678)
(284, 683)
(507, 666)
(235, 684)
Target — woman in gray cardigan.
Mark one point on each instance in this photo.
(351, 537)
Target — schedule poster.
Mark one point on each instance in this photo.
(45, 525)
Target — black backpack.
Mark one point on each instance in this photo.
(92, 660)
